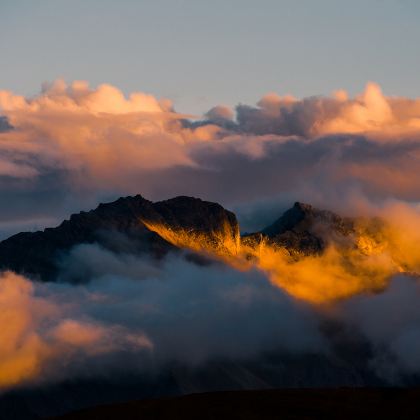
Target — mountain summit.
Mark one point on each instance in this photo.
(304, 229)
(134, 219)
(134, 225)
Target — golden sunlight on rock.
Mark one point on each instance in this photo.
(363, 262)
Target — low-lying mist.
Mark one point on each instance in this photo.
(138, 315)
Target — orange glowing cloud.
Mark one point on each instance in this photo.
(365, 263)
(78, 97)
(36, 334)
(22, 349)
(96, 133)
(105, 138)
(369, 112)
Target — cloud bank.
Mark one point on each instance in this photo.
(72, 145)
(41, 332)
(142, 316)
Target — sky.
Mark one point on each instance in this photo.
(203, 53)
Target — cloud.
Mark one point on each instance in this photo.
(78, 97)
(74, 145)
(194, 313)
(4, 124)
(38, 339)
(390, 321)
(159, 314)
(369, 112)
(89, 131)
(142, 316)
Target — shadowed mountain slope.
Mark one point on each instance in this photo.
(37, 254)
(304, 230)
(138, 226)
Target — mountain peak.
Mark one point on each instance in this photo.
(304, 228)
(155, 228)
(303, 206)
(141, 221)
(289, 219)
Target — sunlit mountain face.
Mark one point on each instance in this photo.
(312, 254)
(277, 246)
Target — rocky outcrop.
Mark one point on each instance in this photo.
(138, 226)
(303, 230)
(37, 254)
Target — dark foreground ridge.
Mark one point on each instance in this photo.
(296, 404)
(124, 226)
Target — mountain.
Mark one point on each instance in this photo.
(126, 225)
(304, 230)
(296, 404)
(138, 226)
(269, 371)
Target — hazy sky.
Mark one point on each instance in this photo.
(202, 53)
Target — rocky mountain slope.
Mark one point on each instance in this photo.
(138, 226)
(125, 225)
(304, 230)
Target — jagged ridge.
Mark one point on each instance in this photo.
(37, 253)
(157, 228)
